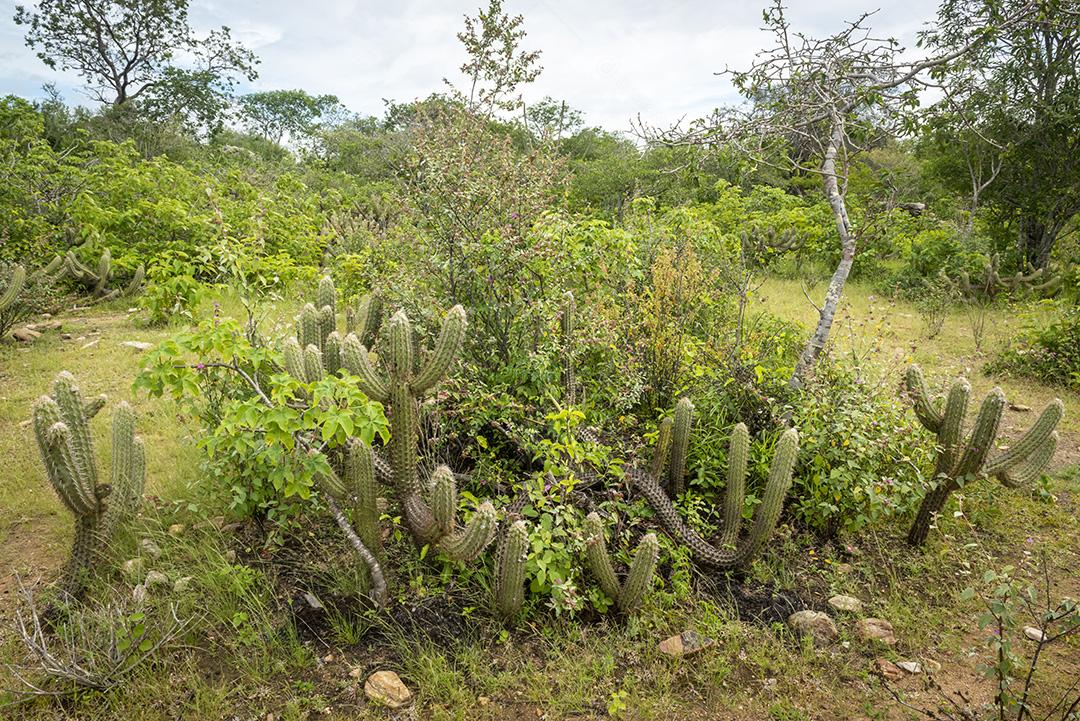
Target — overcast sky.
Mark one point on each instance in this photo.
(612, 59)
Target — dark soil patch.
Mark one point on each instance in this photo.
(757, 602)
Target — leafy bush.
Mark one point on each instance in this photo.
(171, 290)
(1047, 351)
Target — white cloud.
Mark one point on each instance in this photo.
(612, 59)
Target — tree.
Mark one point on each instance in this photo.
(275, 114)
(127, 51)
(816, 103)
(496, 68)
(1013, 106)
(550, 119)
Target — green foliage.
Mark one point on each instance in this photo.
(1047, 350)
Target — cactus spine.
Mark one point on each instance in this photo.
(510, 570)
(62, 429)
(734, 550)
(960, 461)
(627, 595)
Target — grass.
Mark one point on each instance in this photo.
(248, 654)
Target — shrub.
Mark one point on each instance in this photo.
(1048, 351)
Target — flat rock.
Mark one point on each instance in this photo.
(47, 325)
(1034, 633)
(887, 669)
(844, 568)
(150, 548)
(25, 335)
(386, 688)
(65, 336)
(685, 643)
(91, 344)
(156, 579)
(815, 624)
(849, 604)
(137, 345)
(1019, 407)
(909, 666)
(875, 629)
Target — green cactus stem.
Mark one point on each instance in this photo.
(326, 295)
(961, 461)
(364, 320)
(735, 550)
(627, 595)
(680, 445)
(13, 289)
(510, 570)
(62, 429)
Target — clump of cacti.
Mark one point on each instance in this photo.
(401, 385)
(96, 281)
(628, 594)
(513, 553)
(960, 461)
(734, 549)
(62, 428)
(316, 328)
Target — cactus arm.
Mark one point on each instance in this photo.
(735, 493)
(471, 540)
(444, 499)
(365, 319)
(307, 327)
(355, 359)
(69, 399)
(1030, 443)
(294, 359)
(951, 427)
(103, 273)
(326, 295)
(776, 488)
(313, 364)
(639, 577)
(360, 476)
(1032, 466)
(662, 451)
(446, 350)
(14, 287)
(327, 323)
(628, 594)
(567, 323)
(982, 435)
(93, 406)
(510, 570)
(596, 553)
(332, 353)
(928, 415)
(136, 282)
(680, 444)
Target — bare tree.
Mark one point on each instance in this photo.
(813, 105)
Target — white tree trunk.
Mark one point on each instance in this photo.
(817, 341)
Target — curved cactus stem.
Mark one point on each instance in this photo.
(355, 359)
(1030, 443)
(1032, 466)
(293, 356)
(136, 282)
(14, 287)
(928, 415)
(364, 321)
(735, 493)
(627, 595)
(445, 352)
(510, 570)
(471, 540)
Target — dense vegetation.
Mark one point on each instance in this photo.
(518, 362)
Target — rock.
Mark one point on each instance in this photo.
(910, 666)
(183, 584)
(65, 336)
(150, 548)
(844, 568)
(875, 629)
(685, 643)
(139, 593)
(177, 529)
(137, 345)
(25, 335)
(355, 673)
(849, 604)
(386, 688)
(887, 670)
(134, 569)
(1035, 634)
(47, 325)
(91, 344)
(313, 601)
(816, 624)
(156, 579)
(1019, 407)
(931, 665)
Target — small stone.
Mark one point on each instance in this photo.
(1019, 407)
(1033, 633)
(139, 593)
(150, 548)
(47, 325)
(25, 335)
(844, 568)
(313, 601)
(685, 643)
(137, 345)
(815, 624)
(156, 579)
(134, 569)
(849, 604)
(875, 629)
(65, 336)
(887, 670)
(931, 665)
(910, 666)
(182, 584)
(177, 529)
(355, 673)
(386, 688)
(91, 344)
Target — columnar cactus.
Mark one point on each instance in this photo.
(97, 282)
(62, 428)
(960, 461)
(510, 570)
(734, 550)
(13, 289)
(566, 322)
(364, 319)
(317, 326)
(401, 386)
(627, 595)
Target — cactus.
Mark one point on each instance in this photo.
(566, 323)
(680, 445)
(510, 570)
(959, 461)
(61, 426)
(97, 281)
(364, 320)
(734, 551)
(628, 594)
(13, 289)
(326, 295)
